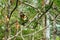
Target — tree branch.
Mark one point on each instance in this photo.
(27, 34)
(13, 9)
(56, 8)
(43, 13)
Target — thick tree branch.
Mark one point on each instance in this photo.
(47, 9)
(13, 9)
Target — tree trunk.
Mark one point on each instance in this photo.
(47, 22)
(47, 26)
(46, 32)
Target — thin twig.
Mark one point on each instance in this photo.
(22, 34)
(14, 36)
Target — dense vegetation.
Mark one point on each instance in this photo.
(27, 19)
